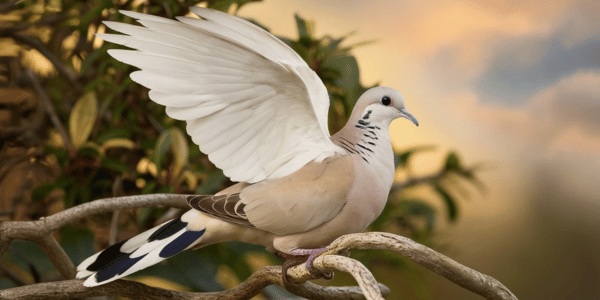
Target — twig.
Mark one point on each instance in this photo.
(114, 227)
(419, 180)
(51, 112)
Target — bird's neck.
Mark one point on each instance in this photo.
(368, 139)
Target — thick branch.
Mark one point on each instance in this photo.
(368, 284)
(39, 229)
(464, 276)
(58, 256)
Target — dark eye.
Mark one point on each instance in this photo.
(385, 100)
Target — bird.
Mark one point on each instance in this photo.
(259, 112)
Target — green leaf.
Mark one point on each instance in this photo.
(114, 165)
(448, 199)
(174, 140)
(225, 5)
(29, 256)
(43, 190)
(419, 208)
(453, 162)
(305, 28)
(350, 79)
(212, 183)
(82, 119)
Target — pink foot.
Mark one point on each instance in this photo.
(299, 256)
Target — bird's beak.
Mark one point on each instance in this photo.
(405, 114)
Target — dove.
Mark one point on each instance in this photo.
(260, 114)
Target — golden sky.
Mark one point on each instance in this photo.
(514, 83)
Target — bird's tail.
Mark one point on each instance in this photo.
(142, 251)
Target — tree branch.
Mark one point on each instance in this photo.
(419, 180)
(464, 276)
(58, 256)
(36, 230)
(39, 232)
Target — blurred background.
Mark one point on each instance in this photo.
(515, 84)
(502, 175)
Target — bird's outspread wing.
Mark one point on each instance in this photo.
(250, 102)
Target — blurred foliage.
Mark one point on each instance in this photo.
(76, 128)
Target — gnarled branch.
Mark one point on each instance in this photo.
(39, 231)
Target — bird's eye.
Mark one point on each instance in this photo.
(385, 100)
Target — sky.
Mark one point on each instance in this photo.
(515, 84)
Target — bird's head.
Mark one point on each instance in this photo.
(382, 104)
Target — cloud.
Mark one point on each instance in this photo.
(571, 102)
(504, 52)
(524, 65)
(574, 141)
(559, 120)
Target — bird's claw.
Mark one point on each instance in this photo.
(299, 256)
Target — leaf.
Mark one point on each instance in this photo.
(419, 208)
(305, 28)
(212, 183)
(174, 140)
(350, 79)
(113, 133)
(190, 179)
(116, 143)
(449, 201)
(114, 165)
(28, 256)
(225, 5)
(82, 119)
(453, 162)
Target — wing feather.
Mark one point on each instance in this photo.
(250, 102)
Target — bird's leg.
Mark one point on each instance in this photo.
(307, 256)
(289, 261)
(312, 254)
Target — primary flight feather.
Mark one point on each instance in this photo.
(260, 114)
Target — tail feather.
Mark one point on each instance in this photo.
(138, 252)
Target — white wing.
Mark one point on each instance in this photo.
(250, 102)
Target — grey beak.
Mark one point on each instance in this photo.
(405, 114)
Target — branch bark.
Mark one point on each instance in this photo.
(39, 231)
